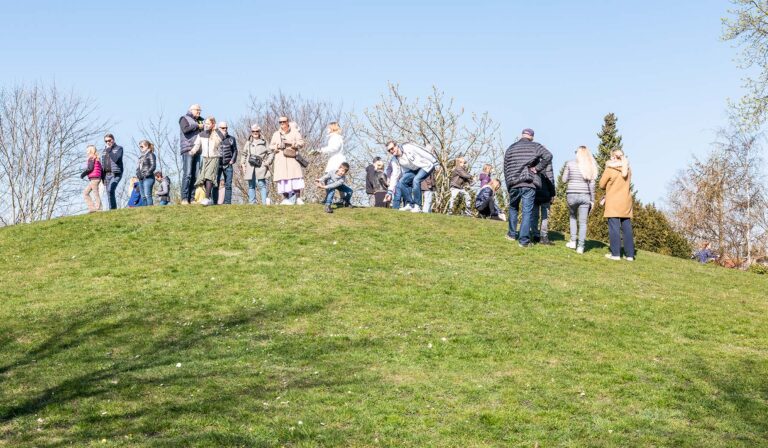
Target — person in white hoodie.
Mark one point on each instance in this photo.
(411, 164)
(334, 149)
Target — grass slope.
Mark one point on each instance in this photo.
(247, 326)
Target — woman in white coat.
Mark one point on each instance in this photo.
(334, 149)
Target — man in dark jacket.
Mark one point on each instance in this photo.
(112, 167)
(523, 160)
(227, 159)
(545, 192)
(485, 202)
(190, 124)
(371, 181)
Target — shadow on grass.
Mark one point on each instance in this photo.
(588, 244)
(144, 368)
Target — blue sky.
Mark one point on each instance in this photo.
(555, 66)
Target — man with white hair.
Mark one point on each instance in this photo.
(411, 164)
(190, 124)
(227, 158)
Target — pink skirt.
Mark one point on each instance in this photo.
(290, 185)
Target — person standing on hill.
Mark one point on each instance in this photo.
(288, 172)
(579, 174)
(523, 160)
(207, 145)
(256, 165)
(164, 192)
(145, 171)
(616, 181)
(227, 159)
(545, 192)
(371, 183)
(191, 125)
(93, 172)
(460, 179)
(112, 166)
(411, 164)
(485, 176)
(334, 149)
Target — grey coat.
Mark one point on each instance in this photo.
(259, 148)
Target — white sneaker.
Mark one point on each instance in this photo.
(407, 208)
(269, 201)
(286, 201)
(611, 257)
(205, 202)
(299, 201)
(415, 209)
(629, 258)
(571, 245)
(579, 250)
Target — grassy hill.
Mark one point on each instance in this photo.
(284, 326)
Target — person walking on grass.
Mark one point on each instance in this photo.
(190, 124)
(288, 172)
(112, 167)
(579, 175)
(523, 160)
(256, 166)
(227, 159)
(93, 173)
(545, 192)
(164, 191)
(331, 182)
(616, 181)
(371, 181)
(460, 180)
(411, 164)
(485, 202)
(207, 145)
(145, 171)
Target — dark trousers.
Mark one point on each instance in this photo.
(110, 183)
(226, 171)
(618, 227)
(189, 175)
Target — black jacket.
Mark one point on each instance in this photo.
(112, 160)
(520, 156)
(88, 169)
(370, 179)
(485, 202)
(146, 165)
(227, 149)
(546, 191)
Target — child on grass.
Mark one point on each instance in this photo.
(335, 181)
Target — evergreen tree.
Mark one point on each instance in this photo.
(609, 140)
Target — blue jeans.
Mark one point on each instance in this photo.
(227, 171)
(253, 183)
(410, 186)
(110, 182)
(145, 187)
(618, 227)
(164, 202)
(189, 176)
(526, 196)
(346, 194)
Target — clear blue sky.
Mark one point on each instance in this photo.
(555, 66)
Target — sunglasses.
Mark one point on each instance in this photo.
(281, 122)
(224, 127)
(108, 141)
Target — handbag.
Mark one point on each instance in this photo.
(255, 161)
(290, 152)
(302, 161)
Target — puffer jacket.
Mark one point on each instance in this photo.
(524, 154)
(227, 148)
(146, 165)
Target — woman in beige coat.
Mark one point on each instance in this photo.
(616, 181)
(257, 177)
(287, 172)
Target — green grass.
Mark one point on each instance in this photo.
(283, 326)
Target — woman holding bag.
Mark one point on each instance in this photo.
(257, 153)
(288, 173)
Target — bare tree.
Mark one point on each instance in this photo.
(435, 121)
(722, 199)
(43, 132)
(312, 118)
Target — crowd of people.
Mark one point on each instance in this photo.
(406, 182)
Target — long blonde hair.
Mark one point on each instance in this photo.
(91, 152)
(586, 163)
(334, 127)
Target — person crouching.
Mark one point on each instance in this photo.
(485, 202)
(335, 181)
